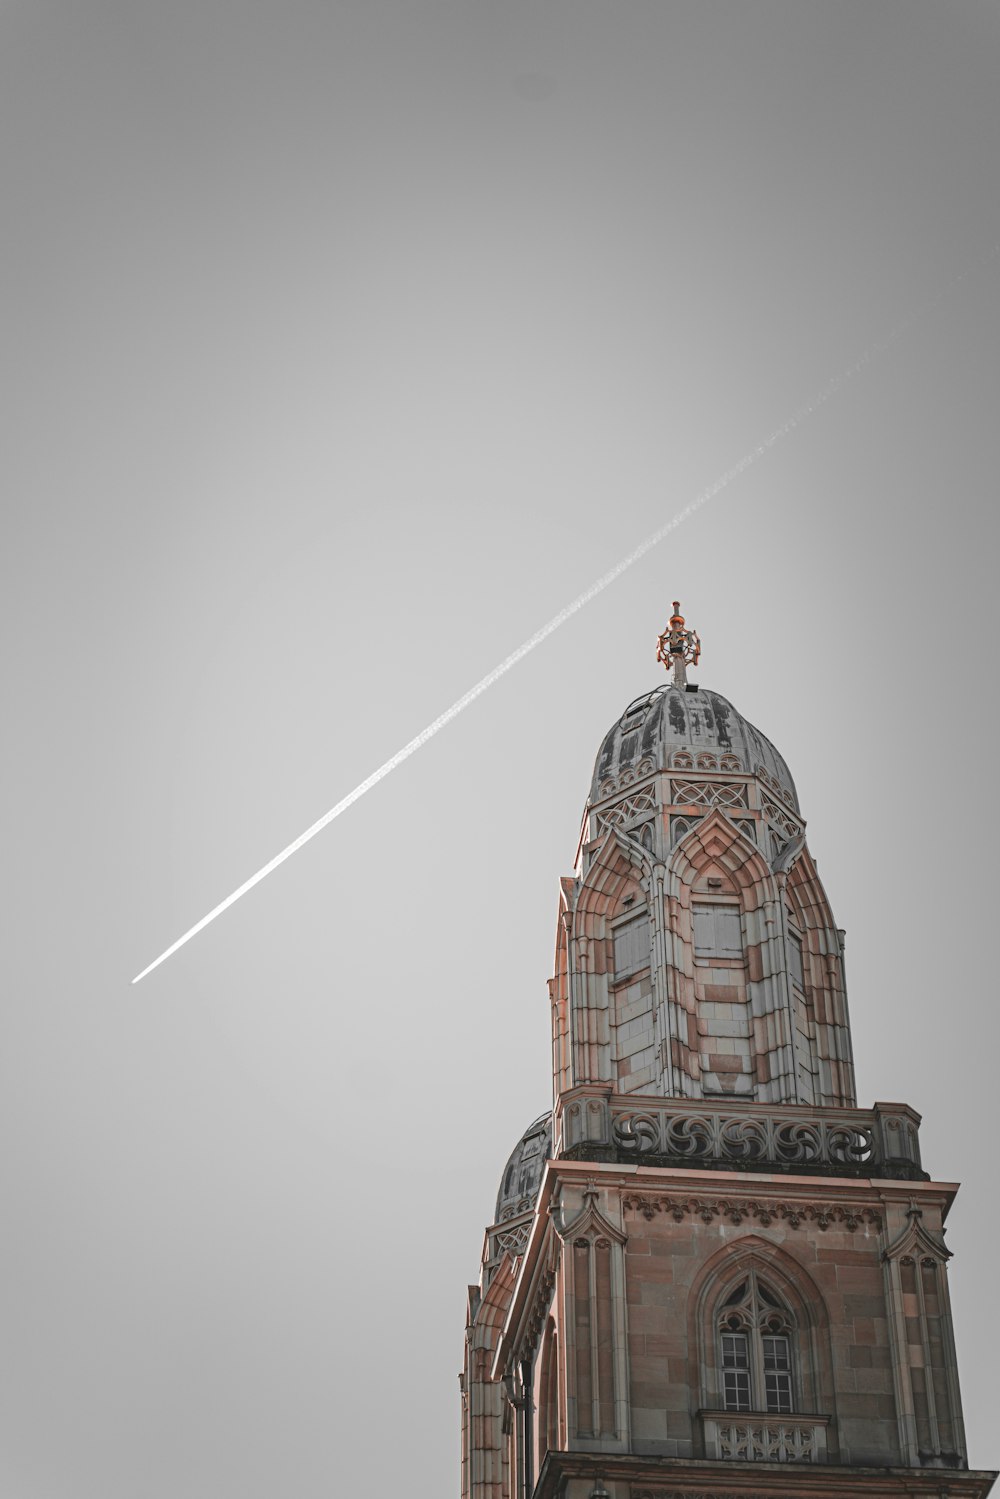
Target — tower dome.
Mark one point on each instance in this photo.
(686, 728)
(523, 1171)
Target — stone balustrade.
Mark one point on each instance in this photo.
(764, 1438)
(593, 1124)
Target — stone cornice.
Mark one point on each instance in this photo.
(749, 1185)
(691, 1478)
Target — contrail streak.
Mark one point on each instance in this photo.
(604, 581)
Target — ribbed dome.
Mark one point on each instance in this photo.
(669, 720)
(523, 1172)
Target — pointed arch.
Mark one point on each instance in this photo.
(595, 1355)
(559, 989)
(485, 1440)
(820, 982)
(611, 966)
(721, 904)
(589, 1222)
(717, 843)
(915, 1240)
(617, 869)
(550, 1421)
(794, 982)
(804, 883)
(923, 1333)
(775, 1262)
(486, 1325)
(616, 882)
(789, 1305)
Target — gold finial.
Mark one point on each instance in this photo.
(677, 647)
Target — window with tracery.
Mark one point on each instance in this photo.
(756, 1333)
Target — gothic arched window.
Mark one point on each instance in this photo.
(756, 1334)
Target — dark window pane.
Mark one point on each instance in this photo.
(736, 1390)
(776, 1353)
(735, 1353)
(778, 1390)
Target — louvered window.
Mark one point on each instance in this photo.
(717, 931)
(632, 945)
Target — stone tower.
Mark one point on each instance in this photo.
(710, 1273)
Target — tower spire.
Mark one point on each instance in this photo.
(678, 647)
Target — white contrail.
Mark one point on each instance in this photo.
(818, 400)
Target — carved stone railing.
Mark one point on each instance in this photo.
(764, 1439)
(593, 1124)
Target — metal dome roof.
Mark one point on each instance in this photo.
(522, 1174)
(668, 719)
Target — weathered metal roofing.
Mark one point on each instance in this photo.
(670, 719)
(523, 1172)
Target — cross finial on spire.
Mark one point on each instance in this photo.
(677, 647)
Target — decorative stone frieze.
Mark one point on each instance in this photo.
(690, 1494)
(539, 1310)
(743, 1210)
(628, 810)
(709, 794)
(779, 817)
(880, 1142)
(765, 1439)
(759, 1138)
(510, 1240)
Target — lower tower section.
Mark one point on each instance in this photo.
(667, 1332)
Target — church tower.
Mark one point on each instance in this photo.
(710, 1273)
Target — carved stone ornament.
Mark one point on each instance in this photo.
(737, 1210)
(589, 1222)
(689, 1494)
(512, 1240)
(915, 1242)
(711, 1136)
(626, 811)
(539, 1311)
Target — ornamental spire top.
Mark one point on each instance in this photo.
(677, 647)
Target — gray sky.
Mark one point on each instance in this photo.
(344, 343)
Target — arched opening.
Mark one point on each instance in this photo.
(756, 1335)
(612, 958)
(757, 1282)
(718, 886)
(547, 1418)
(824, 1066)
